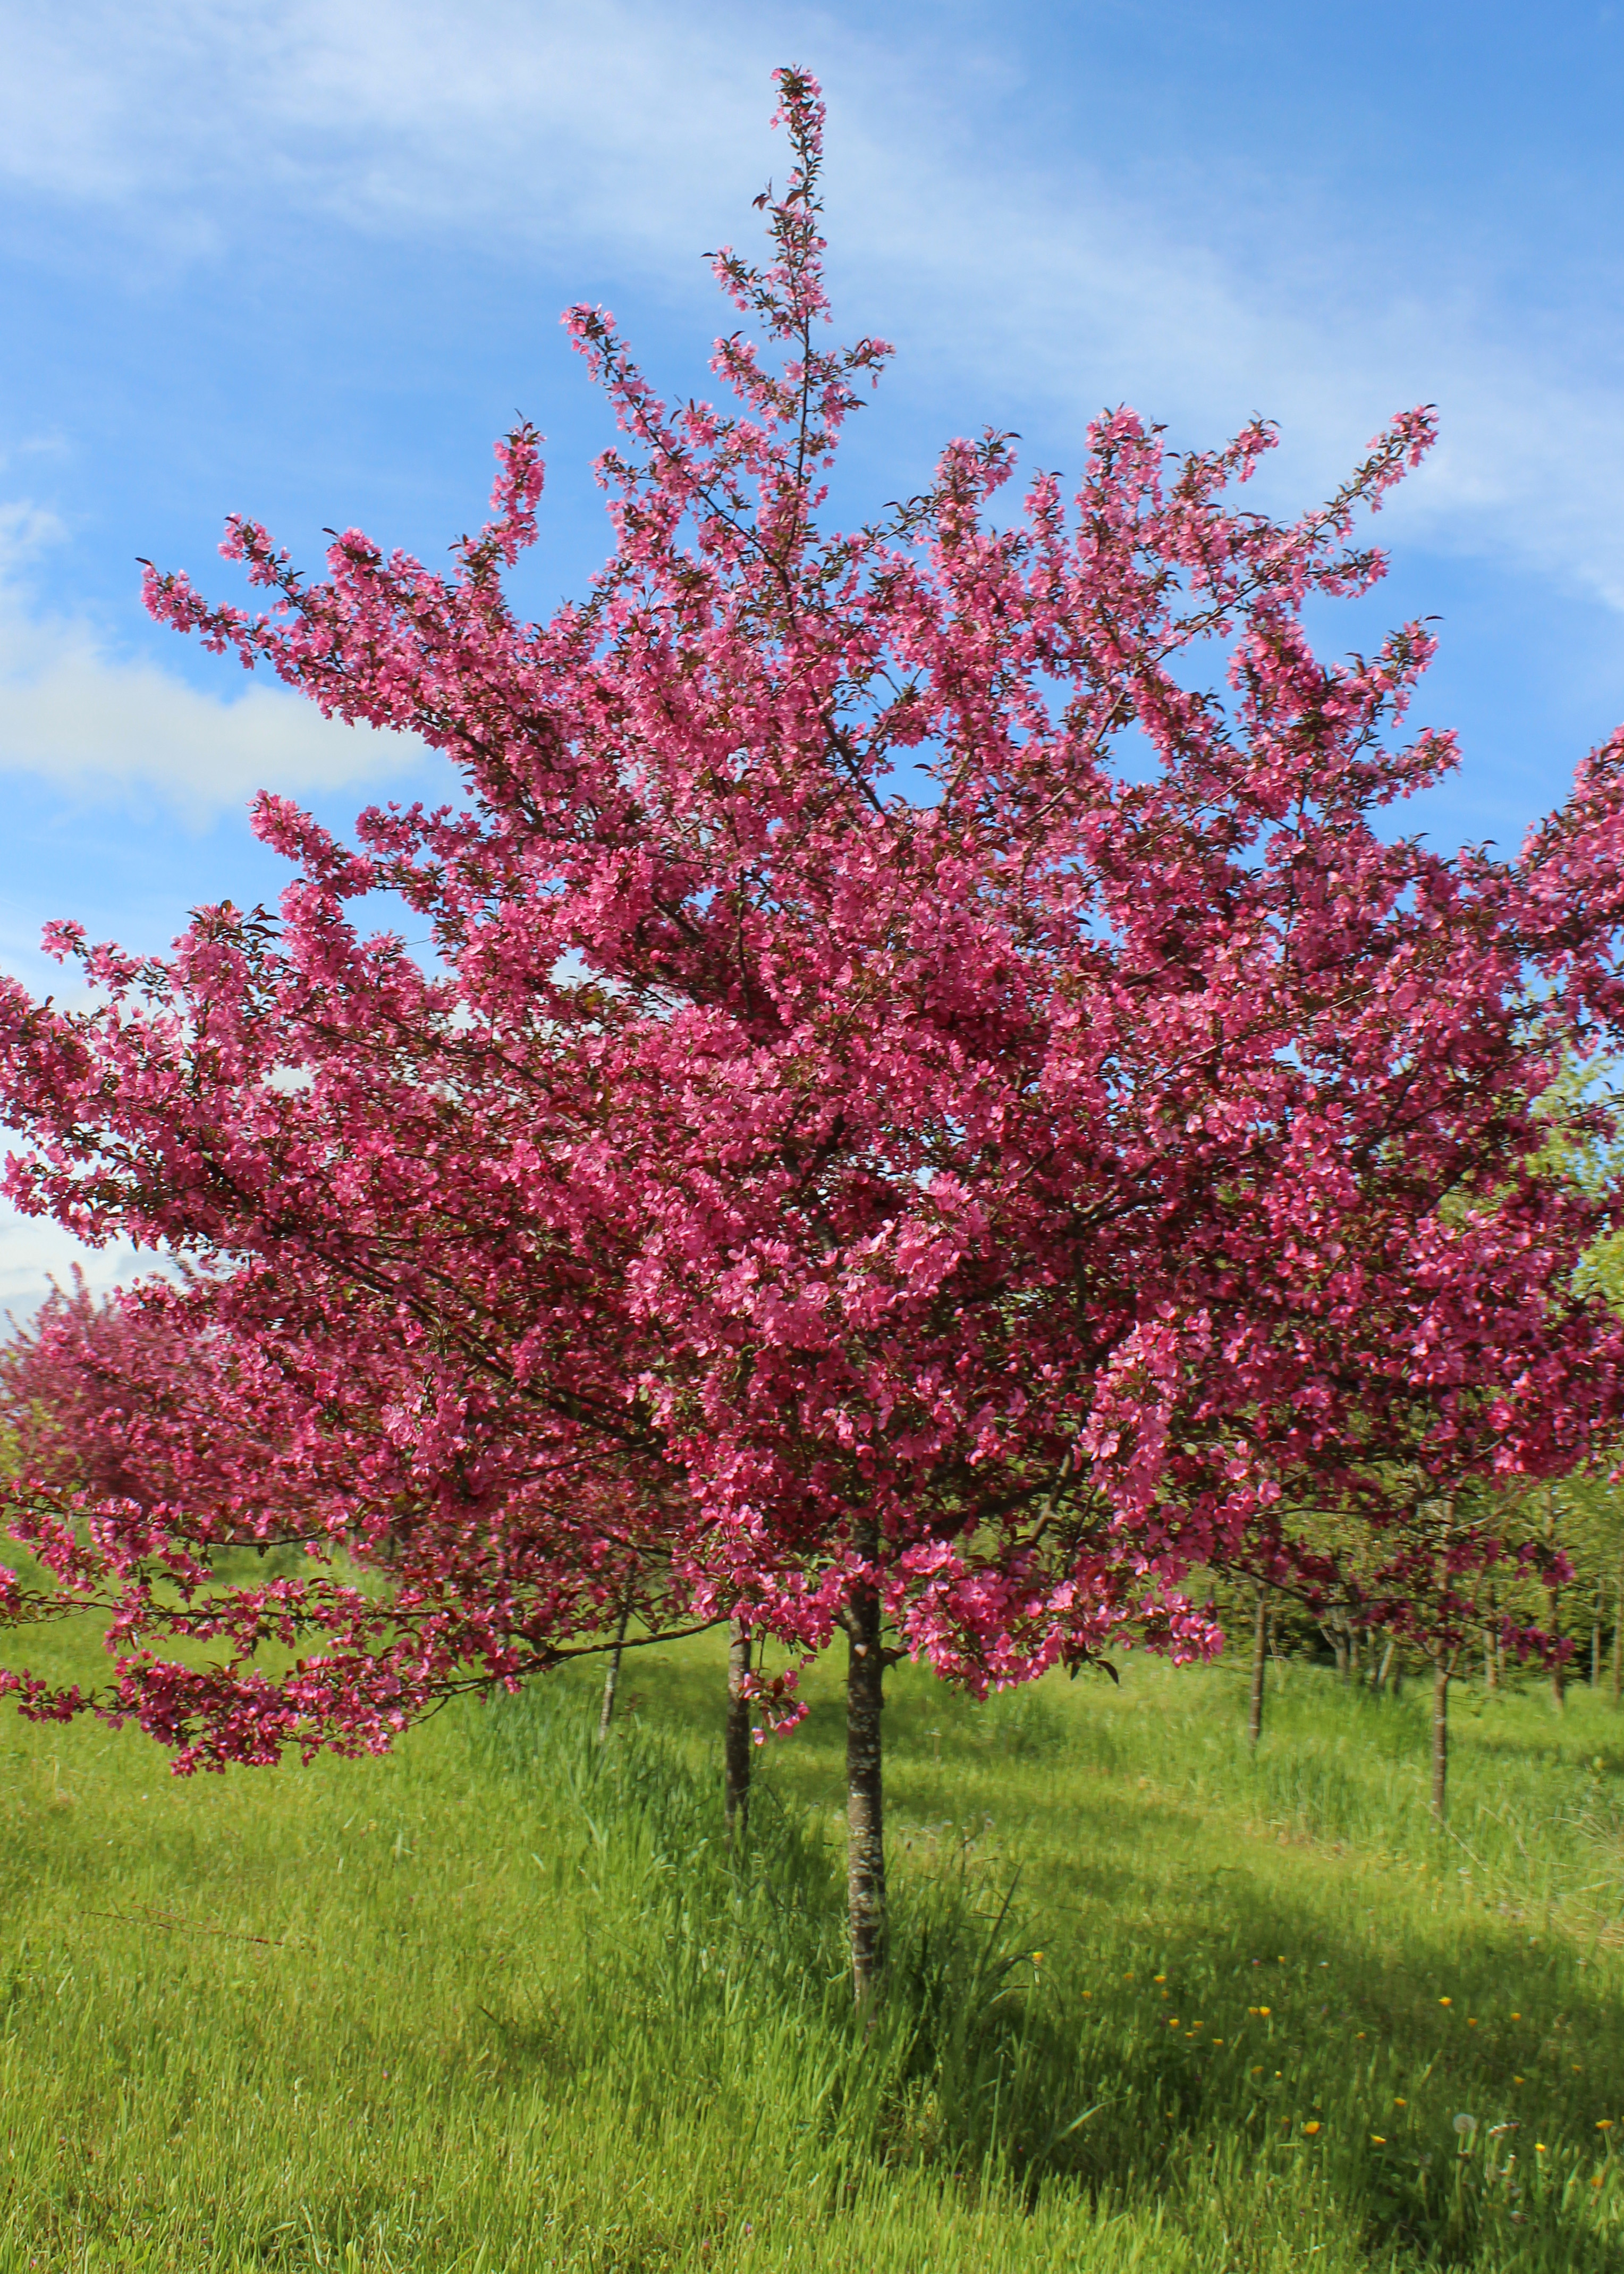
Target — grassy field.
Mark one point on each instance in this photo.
(502, 2002)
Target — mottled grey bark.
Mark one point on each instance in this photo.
(865, 1827)
(612, 1676)
(1553, 1613)
(1440, 1738)
(1259, 1666)
(738, 1746)
(1338, 1626)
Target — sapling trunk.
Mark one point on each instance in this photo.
(1490, 1645)
(1553, 1599)
(739, 1744)
(1259, 1666)
(611, 1675)
(1618, 1635)
(1440, 1738)
(1559, 1665)
(865, 1830)
(1383, 1670)
(1596, 1654)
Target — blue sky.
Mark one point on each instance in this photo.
(307, 260)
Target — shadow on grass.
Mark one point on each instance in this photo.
(1207, 2027)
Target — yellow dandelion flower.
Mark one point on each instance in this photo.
(1604, 2123)
(1379, 2139)
(1446, 2001)
(1158, 1977)
(1312, 2128)
(1516, 2017)
(1401, 2103)
(1516, 2080)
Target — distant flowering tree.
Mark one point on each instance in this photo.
(1441, 1574)
(923, 1117)
(161, 1438)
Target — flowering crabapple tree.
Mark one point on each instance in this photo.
(1445, 1554)
(1438, 1573)
(930, 1093)
(154, 1433)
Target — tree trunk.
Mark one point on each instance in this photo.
(611, 1675)
(1553, 1600)
(1385, 1668)
(1279, 1663)
(1440, 1738)
(1259, 1664)
(1595, 1654)
(865, 1832)
(1558, 1665)
(1338, 1629)
(1491, 1654)
(739, 1744)
(1618, 1636)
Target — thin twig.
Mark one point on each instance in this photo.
(196, 1926)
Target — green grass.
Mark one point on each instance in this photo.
(504, 2002)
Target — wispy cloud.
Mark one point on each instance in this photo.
(552, 117)
(35, 1253)
(1087, 302)
(91, 722)
(626, 132)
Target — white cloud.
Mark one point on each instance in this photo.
(552, 115)
(1089, 302)
(34, 1252)
(89, 721)
(631, 130)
